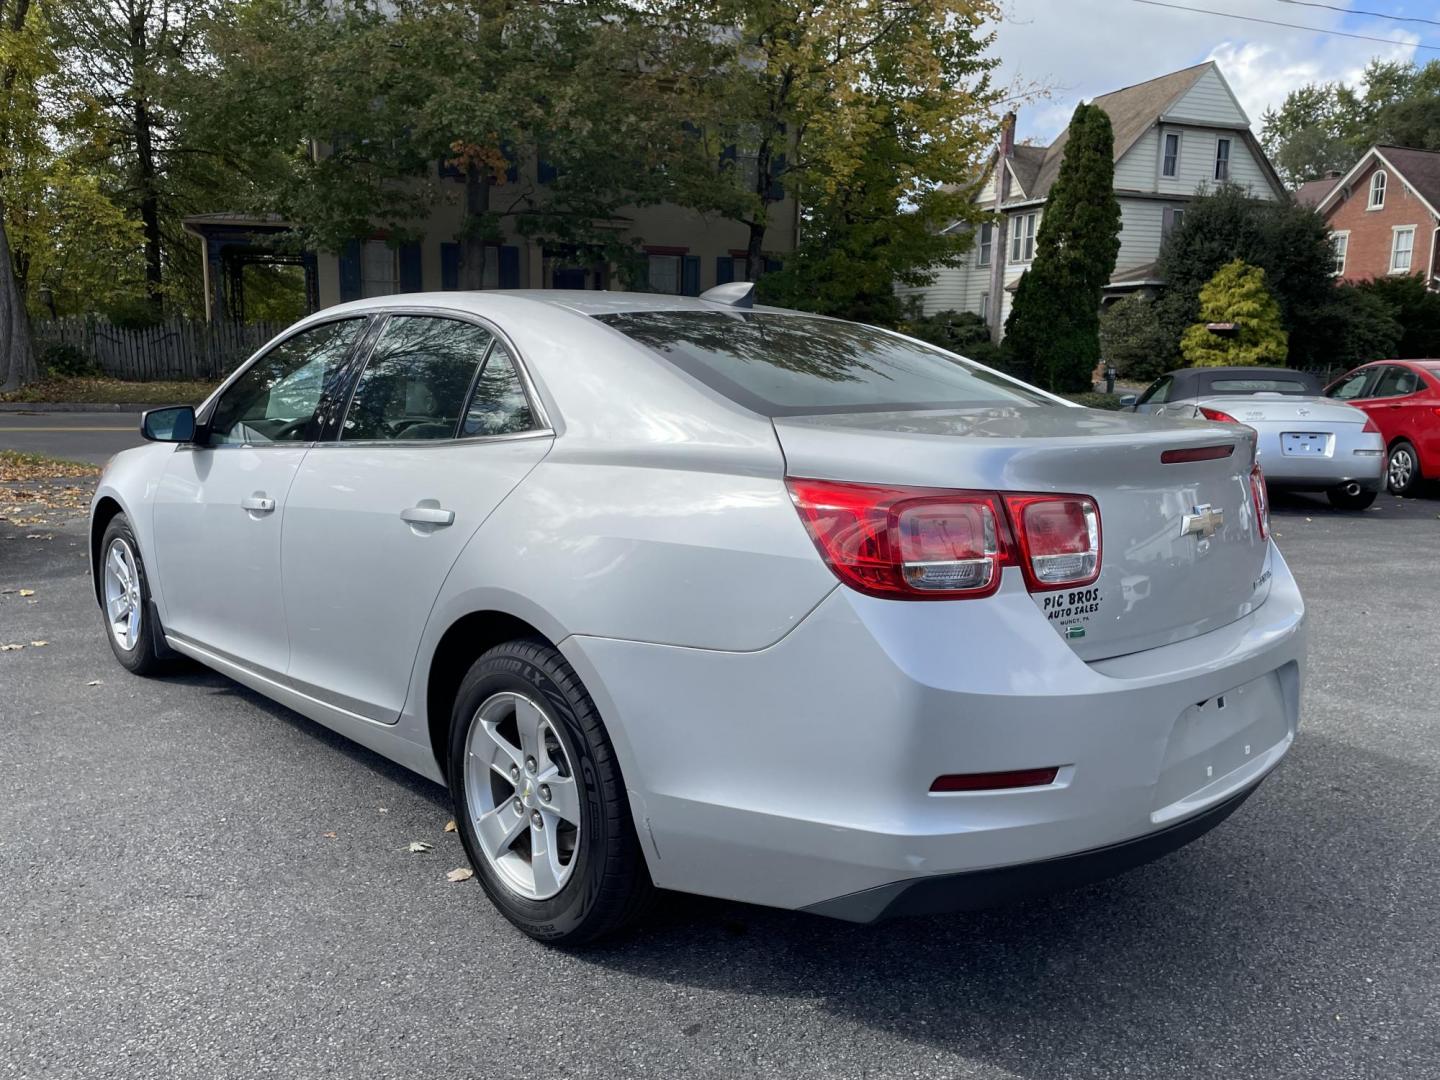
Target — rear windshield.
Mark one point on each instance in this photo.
(1297, 383)
(787, 365)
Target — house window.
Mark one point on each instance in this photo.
(379, 274)
(1171, 162)
(1172, 217)
(985, 307)
(1022, 244)
(986, 245)
(1339, 244)
(1222, 159)
(665, 273)
(1377, 191)
(738, 265)
(1401, 249)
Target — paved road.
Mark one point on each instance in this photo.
(77, 436)
(172, 905)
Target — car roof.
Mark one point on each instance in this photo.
(494, 302)
(1242, 372)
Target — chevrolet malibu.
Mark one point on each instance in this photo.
(685, 593)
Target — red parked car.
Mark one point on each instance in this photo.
(1403, 398)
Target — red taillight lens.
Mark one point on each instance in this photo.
(1059, 537)
(917, 543)
(1372, 428)
(937, 544)
(996, 781)
(1261, 498)
(1217, 415)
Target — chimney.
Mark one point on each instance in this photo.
(1001, 235)
(1007, 135)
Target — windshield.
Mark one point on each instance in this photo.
(787, 365)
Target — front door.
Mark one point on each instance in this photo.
(430, 445)
(220, 505)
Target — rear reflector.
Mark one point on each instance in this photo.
(1196, 453)
(996, 781)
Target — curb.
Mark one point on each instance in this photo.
(71, 406)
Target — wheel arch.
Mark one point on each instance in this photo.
(105, 510)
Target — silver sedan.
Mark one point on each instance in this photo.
(1307, 442)
(691, 594)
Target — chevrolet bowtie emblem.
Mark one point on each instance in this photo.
(1202, 521)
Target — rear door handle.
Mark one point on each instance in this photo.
(428, 515)
(257, 504)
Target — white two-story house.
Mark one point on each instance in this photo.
(1173, 136)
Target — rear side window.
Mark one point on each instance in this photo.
(787, 365)
(1299, 384)
(1396, 382)
(497, 405)
(415, 384)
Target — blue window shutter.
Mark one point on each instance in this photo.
(509, 267)
(776, 191)
(547, 171)
(350, 270)
(411, 277)
(724, 270)
(450, 266)
(690, 275)
(728, 155)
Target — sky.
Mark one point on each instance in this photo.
(1079, 49)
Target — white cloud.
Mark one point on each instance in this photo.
(1079, 49)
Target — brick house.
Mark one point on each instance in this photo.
(1382, 214)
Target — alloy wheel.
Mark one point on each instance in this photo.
(1402, 468)
(123, 610)
(523, 796)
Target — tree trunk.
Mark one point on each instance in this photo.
(17, 358)
(146, 176)
(755, 246)
(472, 243)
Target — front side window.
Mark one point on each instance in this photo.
(985, 245)
(665, 273)
(1339, 246)
(1222, 159)
(379, 274)
(1377, 191)
(497, 405)
(276, 398)
(415, 383)
(1171, 164)
(1022, 244)
(1401, 250)
(1158, 392)
(789, 365)
(1352, 386)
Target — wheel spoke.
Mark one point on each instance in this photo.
(132, 630)
(116, 607)
(543, 859)
(530, 721)
(117, 563)
(502, 752)
(564, 797)
(498, 828)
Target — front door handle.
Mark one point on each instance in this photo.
(258, 504)
(428, 515)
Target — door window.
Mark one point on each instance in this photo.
(1396, 382)
(275, 399)
(498, 405)
(1352, 386)
(416, 380)
(1158, 392)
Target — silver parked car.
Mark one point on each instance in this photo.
(1307, 442)
(689, 594)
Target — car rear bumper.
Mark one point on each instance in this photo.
(799, 775)
(1352, 455)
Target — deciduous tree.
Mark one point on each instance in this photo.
(17, 112)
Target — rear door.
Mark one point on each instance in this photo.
(1397, 403)
(437, 432)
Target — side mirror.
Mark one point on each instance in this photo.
(1129, 401)
(175, 424)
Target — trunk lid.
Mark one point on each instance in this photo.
(1294, 412)
(1158, 582)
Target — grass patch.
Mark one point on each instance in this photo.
(18, 468)
(117, 391)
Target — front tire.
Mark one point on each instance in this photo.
(1403, 469)
(539, 800)
(125, 600)
(1351, 496)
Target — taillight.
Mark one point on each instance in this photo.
(1059, 539)
(1217, 415)
(1261, 499)
(938, 544)
(1372, 428)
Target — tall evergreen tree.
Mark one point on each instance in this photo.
(1054, 326)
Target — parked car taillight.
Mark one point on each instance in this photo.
(1217, 415)
(937, 544)
(1261, 498)
(1372, 428)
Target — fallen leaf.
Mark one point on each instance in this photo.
(329, 835)
(449, 826)
(384, 810)
(460, 873)
(39, 644)
(10, 648)
(420, 846)
(93, 682)
(27, 592)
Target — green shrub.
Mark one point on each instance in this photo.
(1095, 400)
(69, 361)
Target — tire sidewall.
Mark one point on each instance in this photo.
(142, 657)
(1414, 468)
(561, 914)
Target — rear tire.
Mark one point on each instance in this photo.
(1351, 496)
(130, 626)
(1402, 470)
(522, 718)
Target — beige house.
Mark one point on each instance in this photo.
(1174, 135)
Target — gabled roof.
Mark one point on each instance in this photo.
(1312, 193)
(1419, 169)
(1025, 166)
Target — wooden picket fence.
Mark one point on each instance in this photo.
(177, 348)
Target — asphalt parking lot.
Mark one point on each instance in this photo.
(196, 882)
